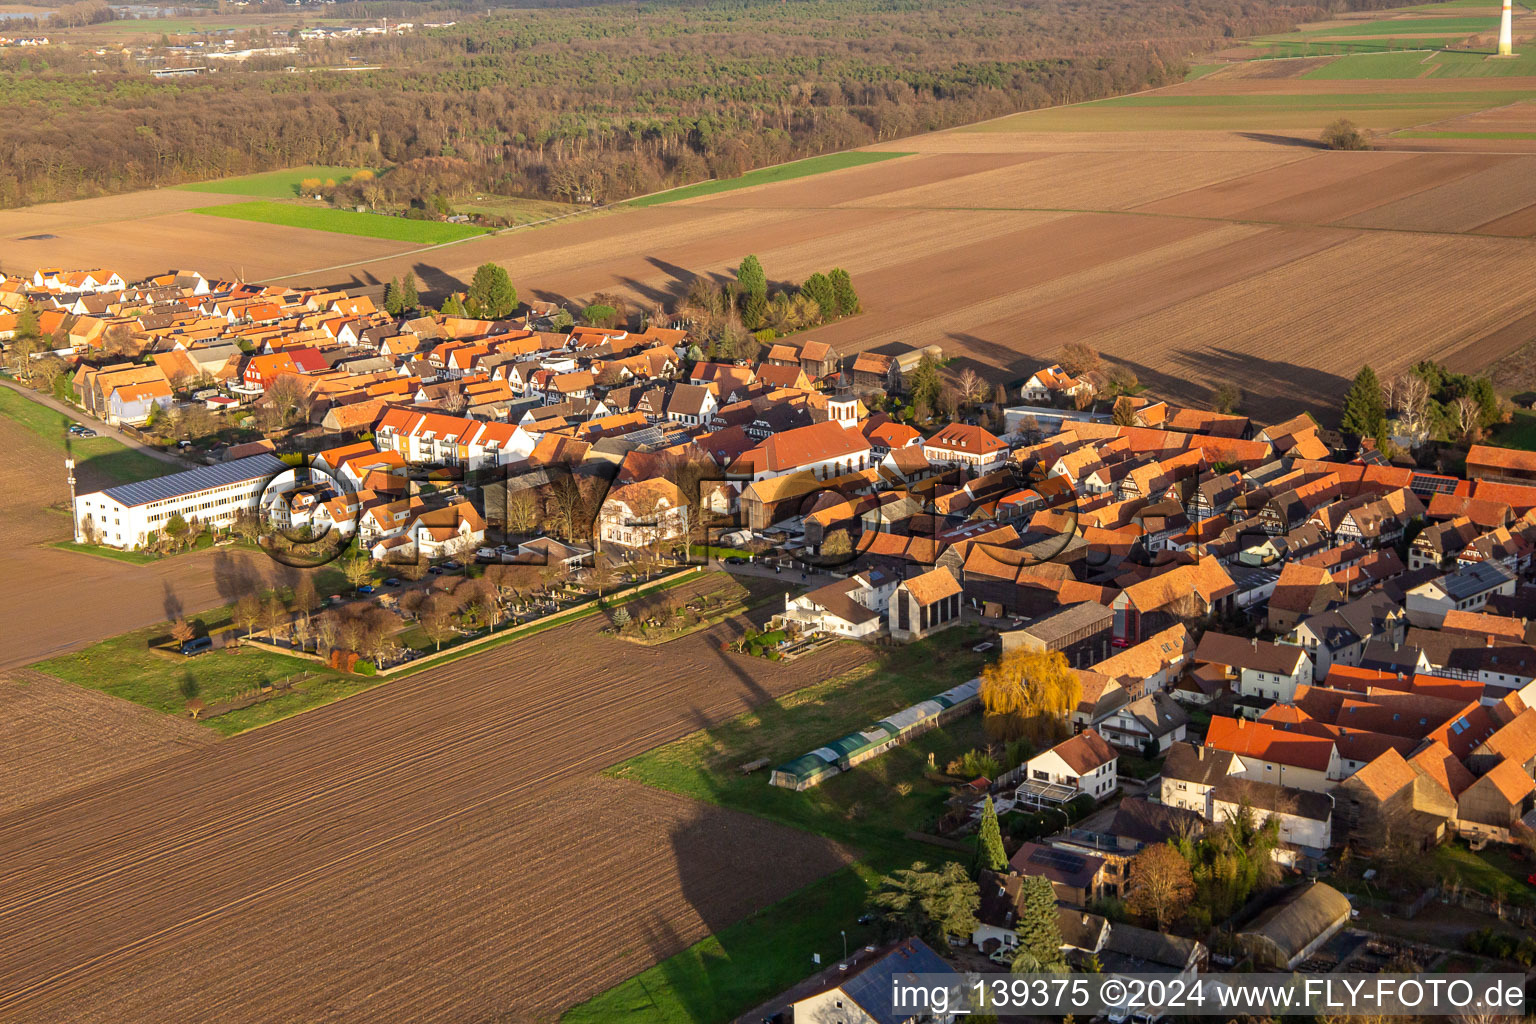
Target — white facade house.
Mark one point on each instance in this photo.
(642, 513)
(854, 607)
(1082, 765)
(1467, 589)
(126, 515)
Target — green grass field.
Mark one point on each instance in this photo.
(100, 460)
(1519, 432)
(1401, 64)
(518, 211)
(1389, 27)
(345, 222)
(126, 666)
(1424, 64)
(271, 184)
(767, 176)
(745, 963)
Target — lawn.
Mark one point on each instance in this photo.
(1491, 872)
(1421, 63)
(1396, 64)
(518, 211)
(127, 666)
(272, 184)
(767, 176)
(870, 807)
(1519, 432)
(345, 222)
(97, 459)
(746, 963)
(1387, 27)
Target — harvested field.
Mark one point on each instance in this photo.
(1082, 181)
(1520, 224)
(55, 737)
(1460, 205)
(153, 244)
(388, 857)
(69, 599)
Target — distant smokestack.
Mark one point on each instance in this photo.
(1507, 30)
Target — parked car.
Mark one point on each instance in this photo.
(435, 570)
(393, 581)
(75, 428)
(183, 445)
(87, 432)
(453, 566)
(735, 560)
(367, 588)
(197, 645)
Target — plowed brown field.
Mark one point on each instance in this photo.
(55, 737)
(1001, 244)
(435, 849)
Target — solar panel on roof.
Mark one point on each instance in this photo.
(1070, 863)
(190, 481)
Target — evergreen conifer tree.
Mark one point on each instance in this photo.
(1364, 411)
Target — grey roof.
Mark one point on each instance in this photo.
(1188, 762)
(1267, 796)
(1065, 621)
(1302, 915)
(1157, 713)
(1131, 949)
(871, 987)
(1063, 867)
(191, 481)
(1146, 822)
(1474, 579)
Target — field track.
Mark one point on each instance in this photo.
(436, 849)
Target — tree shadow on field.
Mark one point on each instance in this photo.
(1273, 389)
(234, 577)
(670, 295)
(994, 360)
(434, 284)
(1281, 140)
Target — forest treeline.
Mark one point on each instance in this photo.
(596, 101)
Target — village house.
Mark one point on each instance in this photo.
(1258, 669)
(1084, 765)
(855, 607)
(1268, 754)
(965, 446)
(643, 514)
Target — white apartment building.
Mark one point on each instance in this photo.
(124, 516)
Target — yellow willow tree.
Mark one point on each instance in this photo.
(1028, 693)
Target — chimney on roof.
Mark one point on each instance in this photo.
(1255, 643)
(1200, 752)
(1489, 639)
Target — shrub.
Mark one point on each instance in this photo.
(1342, 134)
(978, 762)
(365, 668)
(1079, 807)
